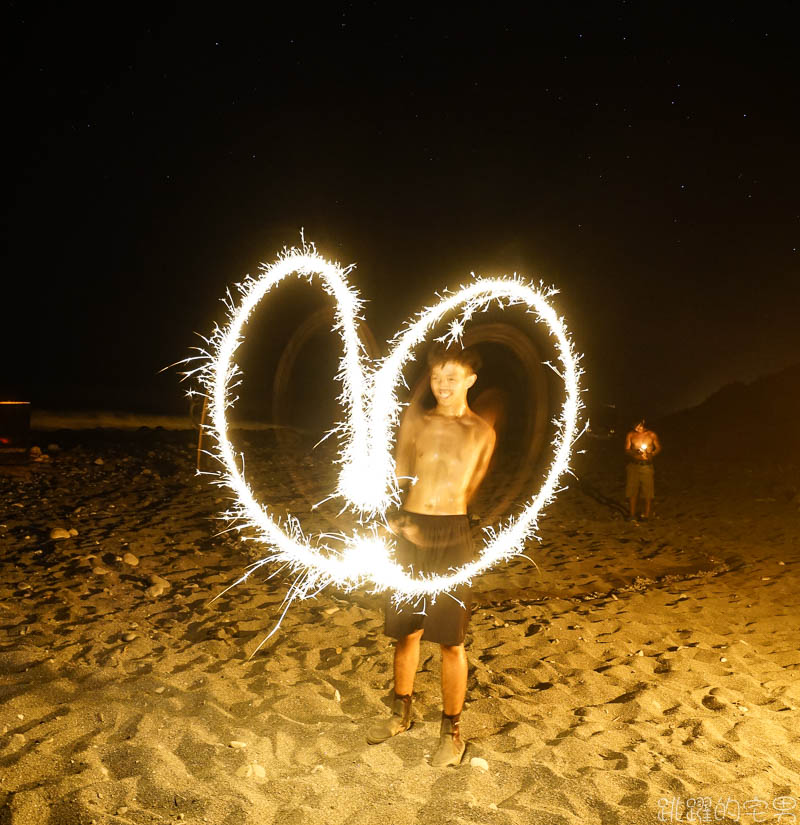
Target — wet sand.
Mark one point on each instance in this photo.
(639, 667)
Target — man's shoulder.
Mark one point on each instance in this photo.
(483, 428)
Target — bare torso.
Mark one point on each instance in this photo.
(449, 455)
(642, 445)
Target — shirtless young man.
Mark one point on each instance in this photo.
(446, 452)
(641, 446)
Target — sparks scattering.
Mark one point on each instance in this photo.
(366, 480)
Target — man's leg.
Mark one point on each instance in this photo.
(454, 689)
(406, 660)
(648, 490)
(454, 678)
(632, 506)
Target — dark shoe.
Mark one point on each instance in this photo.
(451, 748)
(399, 721)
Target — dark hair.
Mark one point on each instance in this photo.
(440, 354)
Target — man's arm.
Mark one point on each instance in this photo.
(656, 446)
(405, 453)
(629, 449)
(483, 462)
(404, 461)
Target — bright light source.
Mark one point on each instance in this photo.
(366, 481)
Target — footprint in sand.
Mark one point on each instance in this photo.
(619, 759)
(713, 703)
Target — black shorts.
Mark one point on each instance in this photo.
(444, 544)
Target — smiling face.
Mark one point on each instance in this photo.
(450, 382)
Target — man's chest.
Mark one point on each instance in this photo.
(444, 440)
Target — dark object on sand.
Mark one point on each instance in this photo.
(198, 412)
(15, 429)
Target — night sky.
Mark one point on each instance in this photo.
(643, 157)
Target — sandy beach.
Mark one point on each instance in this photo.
(638, 673)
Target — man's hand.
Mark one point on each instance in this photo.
(395, 523)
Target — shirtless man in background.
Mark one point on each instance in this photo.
(444, 453)
(641, 446)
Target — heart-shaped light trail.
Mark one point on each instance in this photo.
(371, 412)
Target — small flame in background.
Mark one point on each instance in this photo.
(366, 483)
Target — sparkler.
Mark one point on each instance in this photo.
(366, 481)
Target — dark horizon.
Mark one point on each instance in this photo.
(641, 159)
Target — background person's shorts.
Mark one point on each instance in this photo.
(639, 476)
(445, 543)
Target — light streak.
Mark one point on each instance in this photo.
(366, 481)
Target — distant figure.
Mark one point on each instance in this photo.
(446, 451)
(641, 446)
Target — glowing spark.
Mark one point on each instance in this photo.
(367, 480)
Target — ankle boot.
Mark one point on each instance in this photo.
(399, 721)
(451, 748)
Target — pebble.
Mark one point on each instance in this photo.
(236, 744)
(99, 462)
(158, 586)
(129, 637)
(253, 769)
(160, 689)
(130, 559)
(329, 611)
(59, 533)
(478, 762)
(99, 570)
(73, 532)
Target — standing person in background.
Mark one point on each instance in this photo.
(641, 447)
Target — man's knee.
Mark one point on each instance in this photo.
(453, 651)
(411, 639)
